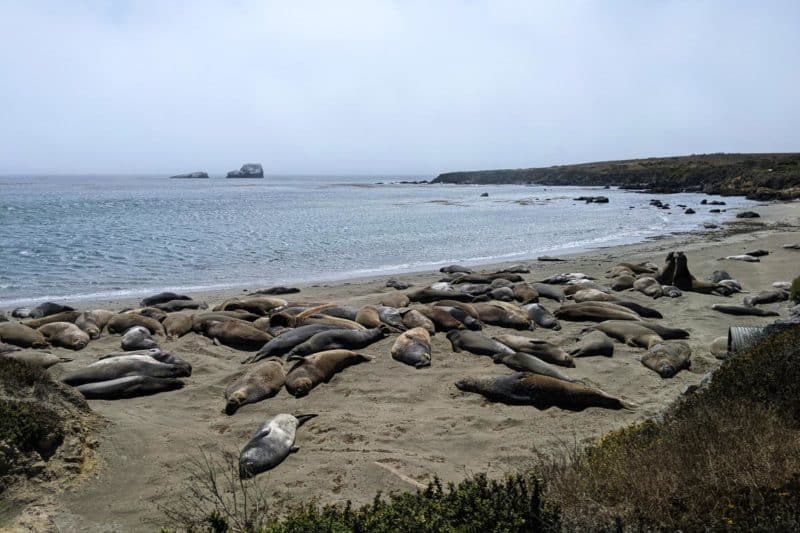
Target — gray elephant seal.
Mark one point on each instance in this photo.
(665, 332)
(542, 392)
(283, 344)
(395, 299)
(671, 291)
(40, 359)
(414, 319)
(65, 335)
(719, 275)
(163, 297)
(49, 308)
(667, 359)
(310, 371)
(21, 335)
(667, 274)
(261, 382)
(8, 348)
(631, 333)
(124, 321)
(21, 312)
(476, 342)
(128, 387)
(767, 297)
(125, 366)
(391, 317)
(236, 334)
(453, 269)
(338, 339)
(525, 362)
(413, 347)
(173, 306)
(542, 349)
(593, 295)
(138, 338)
(594, 343)
(277, 290)
(270, 445)
(741, 310)
(639, 309)
(428, 295)
(649, 286)
(550, 292)
(540, 316)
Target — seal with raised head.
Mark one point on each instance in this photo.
(236, 334)
(413, 347)
(21, 335)
(338, 339)
(684, 279)
(415, 319)
(127, 387)
(631, 333)
(270, 445)
(594, 343)
(542, 349)
(311, 370)
(261, 382)
(667, 274)
(667, 359)
(476, 342)
(525, 362)
(65, 334)
(540, 316)
(283, 344)
(542, 392)
(138, 338)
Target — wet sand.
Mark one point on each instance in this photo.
(380, 419)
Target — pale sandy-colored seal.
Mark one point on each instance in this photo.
(631, 333)
(21, 335)
(595, 312)
(395, 299)
(415, 319)
(259, 383)
(525, 362)
(93, 322)
(667, 359)
(413, 347)
(503, 314)
(236, 334)
(138, 338)
(65, 334)
(742, 310)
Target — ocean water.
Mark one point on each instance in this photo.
(82, 237)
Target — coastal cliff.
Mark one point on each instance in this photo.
(757, 176)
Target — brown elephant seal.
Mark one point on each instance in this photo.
(310, 371)
(476, 342)
(128, 387)
(584, 284)
(546, 351)
(525, 362)
(667, 359)
(562, 279)
(368, 317)
(622, 283)
(503, 314)
(503, 294)
(258, 305)
(162, 297)
(631, 333)
(236, 334)
(137, 338)
(595, 312)
(21, 335)
(667, 274)
(283, 344)
(34, 358)
(178, 324)
(593, 295)
(428, 295)
(742, 310)
(338, 339)
(500, 283)
(49, 308)
(594, 343)
(542, 392)
(454, 269)
(539, 315)
(517, 269)
(277, 290)
(767, 297)
(93, 322)
(64, 316)
(414, 319)
(173, 306)
(151, 312)
(413, 347)
(399, 285)
(640, 268)
(270, 445)
(550, 292)
(649, 286)
(442, 318)
(65, 335)
(468, 308)
(261, 382)
(200, 321)
(462, 316)
(124, 321)
(125, 366)
(524, 293)
(395, 299)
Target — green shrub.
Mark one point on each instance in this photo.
(794, 290)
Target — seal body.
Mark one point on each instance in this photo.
(270, 445)
(138, 338)
(395, 299)
(21, 335)
(742, 310)
(49, 308)
(162, 297)
(595, 312)
(338, 339)
(631, 333)
(236, 334)
(283, 344)
(413, 347)
(550, 292)
(503, 314)
(125, 366)
(310, 371)
(667, 359)
(539, 315)
(93, 322)
(540, 348)
(178, 324)
(415, 319)
(262, 381)
(122, 322)
(594, 343)
(65, 334)
(525, 362)
(128, 387)
(476, 342)
(368, 317)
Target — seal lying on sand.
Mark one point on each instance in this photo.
(595, 312)
(128, 387)
(550, 292)
(40, 359)
(125, 366)
(767, 297)
(338, 339)
(162, 297)
(138, 338)
(525, 362)
(540, 348)
(540, 316)
(594, 343)
(667, 359)
(270, 445)
(503, 314)
(236, 334)
(310, 371)
(395, 299)
(65, 335)
(283, 344)
(415, 319)
(49, 308)
(93, 322)
(476, 342)
(21, 335)
(742, 310)
(631, 333)
(262, 381)
(543, 392)
(413, 347)
(122, 322)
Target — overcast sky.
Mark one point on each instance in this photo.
(401, 87)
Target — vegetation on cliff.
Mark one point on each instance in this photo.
(757, 176)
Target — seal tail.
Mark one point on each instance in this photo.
(302, 419)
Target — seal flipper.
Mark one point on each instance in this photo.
(302, 419)
(294, 449)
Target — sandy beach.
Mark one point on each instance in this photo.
(382, 418)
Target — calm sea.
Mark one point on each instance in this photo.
(84, 237)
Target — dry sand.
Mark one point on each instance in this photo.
(385, 414)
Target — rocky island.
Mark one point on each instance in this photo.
(757, 176)
(191, 175)
(248, 170)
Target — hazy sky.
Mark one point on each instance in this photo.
(390, 86)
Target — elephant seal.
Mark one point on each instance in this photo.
(261, 382)
(454, 269)
(667, 274)
(138, 338)
(758, 253)
(368, 317)
(671, 291)
(258, 305)
(525, 362)
(664, 332)
(151, 312)
(49, 308)
(414, 319)
(40, 359)
(525, 293)
(8, 348)
(173, 306)
(178, 324)
(593, 295)
(550, 292)
(767, 297)
(442, 318)
(93, 322)
(428, 295)
(738, 310)
(64, 316)
(283, 344)
(459, 314)
(719, 275)
(503, 294)
(542, 392)
(640, 268)
(340, 311)
(517, 269)
(127, 387)
(542, 349)
(338, 339)
(236, 334)
(540, 316)
(595, 312)
(399, 285)
(561, 279)
(476, 342)
(124, 321)
(685, 281)
(639, 309)
(500, 283)
(277, 290)
(413, 347)
(21, 335)
(594, 343)
(584, 284)
(391, 317)
(154, 353)
(125, 366)
(649, 286)
(310, 371)
(466, 307)
(65, 334)
(622, 283)
(21, 312)
(395, 299)
(743, 257)
(631, 333)
(503, 314)
(667, 359)
(270, 445)
(162, 297)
